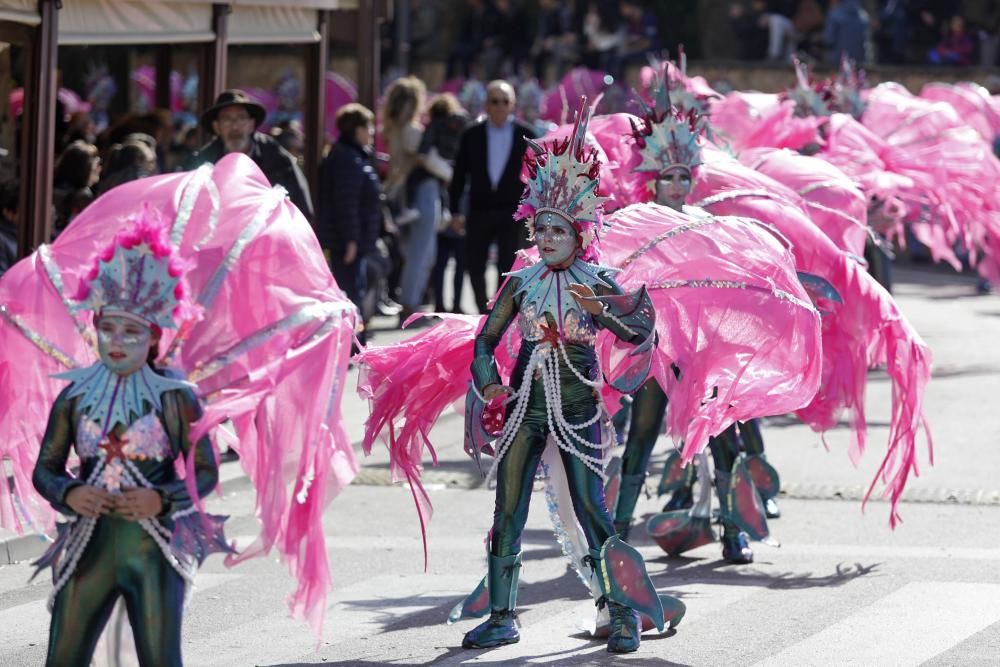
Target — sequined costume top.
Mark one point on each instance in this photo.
(149, 446)
(548, 314)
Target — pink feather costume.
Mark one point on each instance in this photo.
(276, 333)
(868, 320)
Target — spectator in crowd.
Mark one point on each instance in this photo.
(846, 32)
(234, 119)
(412, 196)
(808, 22)
(750, 28)
(289, 135)
(77, 171)
(489, 161)
(131, 160)
(957, 46)
(530, 98)
(555, 41)
(350, 205)
(929, 19)
(184, 147)
(444, 130)
(781, 35)
(984, 18)
(505, 40)
(81, 127)
(893, 31)
(9, 196)
(469, 42)
(640, 37)
(602, 33)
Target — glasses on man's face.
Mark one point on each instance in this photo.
(232, 121)
(499, 101)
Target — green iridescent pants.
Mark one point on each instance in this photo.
(649, 404)
(516, 474)
(121, 559)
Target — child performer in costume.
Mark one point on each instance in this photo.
(559, 303)
(128, 510)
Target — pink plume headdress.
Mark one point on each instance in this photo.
(668, 137)
(139, 275)
(563, 179)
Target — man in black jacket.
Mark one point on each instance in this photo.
(234, 119)
(489, 160)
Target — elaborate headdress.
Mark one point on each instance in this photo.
(139, 275)
(563, 180)
(847, 93)
(668, 136)
(811, 98)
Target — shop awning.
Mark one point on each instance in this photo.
(20, 11)
(84, 22)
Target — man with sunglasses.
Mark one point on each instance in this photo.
(489, 162)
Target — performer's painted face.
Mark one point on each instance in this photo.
(123, 343)
(555, 238)
(673, 188)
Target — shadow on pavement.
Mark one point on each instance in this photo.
(719, 572)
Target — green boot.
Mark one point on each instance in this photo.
(628, 495)
(735, 543)
(500, 628)
(624, 632)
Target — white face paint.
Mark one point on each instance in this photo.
(123, 343)
(673, 188)
(555, 239)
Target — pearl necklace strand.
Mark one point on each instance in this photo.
(546, 363)
(82, 529)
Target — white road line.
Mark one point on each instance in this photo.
(907, 627)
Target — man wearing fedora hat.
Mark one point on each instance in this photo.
(234, 119)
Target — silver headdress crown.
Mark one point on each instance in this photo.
(668, 136)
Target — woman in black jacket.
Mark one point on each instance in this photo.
(350, 213)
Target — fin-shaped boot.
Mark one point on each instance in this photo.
(501, 627)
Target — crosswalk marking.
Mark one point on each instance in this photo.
(277, 637)
(907, 627)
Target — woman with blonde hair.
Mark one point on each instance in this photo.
(417, 201)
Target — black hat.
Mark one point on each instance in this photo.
(232, 98)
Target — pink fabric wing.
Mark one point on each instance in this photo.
(753, 120)
(835, 204)
(731, 315)
(954, 171)
(276, 334)
(867, 321)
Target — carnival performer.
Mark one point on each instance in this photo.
(558, 303)
(128, 424)
(164, 268)
(668, 140)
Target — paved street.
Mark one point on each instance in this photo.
(842, 589)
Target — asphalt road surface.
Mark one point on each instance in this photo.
(841, 589)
